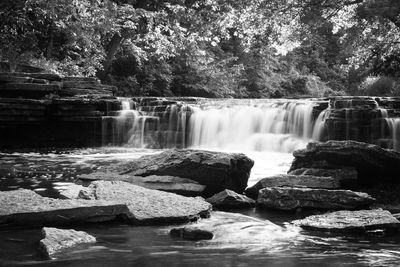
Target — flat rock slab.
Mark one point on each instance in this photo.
(351, 221)
(56, 240)
(26, 208)
(293, 181)
(181, 186)
(216, 170)
(148, 206)
(228, 199)
(292, 198)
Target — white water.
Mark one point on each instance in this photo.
(394, 129)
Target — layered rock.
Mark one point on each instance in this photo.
(347, 177)
(293, 181)
(26, 208)
(216, 170)
(57, 240)
(292, 198)
(372, 163)
(228, 199)
(351, 221)
(148, 206)
(181, 186)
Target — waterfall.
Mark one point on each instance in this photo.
(261, 126)
(394, 129)
(241, 125)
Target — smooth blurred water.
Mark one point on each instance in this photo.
(260, 238)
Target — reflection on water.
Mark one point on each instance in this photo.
(252, 238)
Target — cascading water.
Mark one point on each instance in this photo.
(253, 126)
(394, 129)
(241, 125)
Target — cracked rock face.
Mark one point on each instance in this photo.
(216, 170)
(351, 221)
(147, 206)
(29, 209)
(291, 198)
(56, 240)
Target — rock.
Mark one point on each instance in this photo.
(45, 76)
(148, 206)
(27, 90)
(292, 181)
(26, 208)
(228, 199)
(373, 163)
(56, 240)
(216, 170)
(191, 233)
(351, 221)
(237, 231)
(292, 198)
(72, 191)
(181, 186)
(346, 176)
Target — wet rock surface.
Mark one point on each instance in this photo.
(216, 170)
(181, 186)
(372, 162)
(351, 221)
(347, 177)
(26, 208)
(148, 206)
(293, 181)
(228, 199)
(191, 233)
(292, 198)
(56, 240)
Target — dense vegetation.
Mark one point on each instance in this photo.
(215, 48)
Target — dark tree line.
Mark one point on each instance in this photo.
(214, 48)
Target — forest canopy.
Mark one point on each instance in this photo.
(211, 48)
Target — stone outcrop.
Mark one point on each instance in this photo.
(57, 240)
(351, 221)
(148, 206)
(181, 186)
(293, 181)
(28, 209)
(191, 233)
(228, 199)
(372, 163)
(216, 170)
(292, 198)
(347, 177)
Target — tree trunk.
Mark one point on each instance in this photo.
(50, 45)
(111, 51)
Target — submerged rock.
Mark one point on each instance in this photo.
(216, 170)
(292, 198)
(26, 208)
(228, 199)
(191, 233)
(148, 206)
(351, 221)
(181, 186)
(56, 240)
(292, 181)
(373, 163)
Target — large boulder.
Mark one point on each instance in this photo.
(346, 176)
(351, 221)
(56, 240)
(177, 185)
(148, 206)
(216, 170)
(26, 208)
(372, 162)
(228, 199)
(292, 181)
(292, 198)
